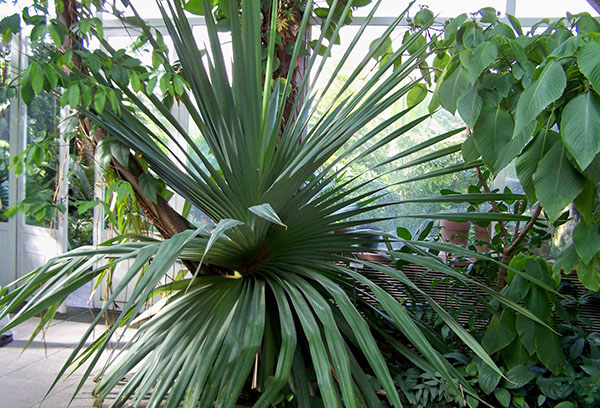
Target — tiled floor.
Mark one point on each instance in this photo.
(26, 375)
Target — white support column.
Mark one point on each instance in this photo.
(98, 226)
(183, 118)
(65, 128)
(62, 185)
(15, 140)
(10, 268)
(511, 7)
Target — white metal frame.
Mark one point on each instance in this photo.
(27, 246)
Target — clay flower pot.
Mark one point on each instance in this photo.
(455, 232)
(482, 234)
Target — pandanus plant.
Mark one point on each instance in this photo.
(270, 296)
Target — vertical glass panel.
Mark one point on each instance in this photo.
(146, 9)
(441, 122)
(5, 95)
(42, 133)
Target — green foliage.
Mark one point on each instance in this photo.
(540, 341)
(525, 381)
(519, 91)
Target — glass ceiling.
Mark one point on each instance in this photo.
(443, 8)
(524, 8)
(553, 8)
(390, 8)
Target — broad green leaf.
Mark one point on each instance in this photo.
(384, 49)
(500, 333)
(120, 152)
(454, 24)
(56, 37)
(151, 85)
(580, 127)
(488, 15)
(586, 239)
(440, 62)
(136, 84)
(527, 163)
(548, 348)
(587, 23)
(588, 61)
(469, 150)
(526, 328)
(195, 6)
(516, 354)
(37, 77)
(103, 155)
(567, 260)
(518, 376)
(586, 201)
(416, 95)
(51, 75)
(492, 132)
(589, 275)
(503, 396)
(86, 96)
(423, 17)
(403, 233)
(99, 100)
(73, 93)
(515, 23)
(487, 378)
(10, 25)
(554, 387)
(565, 404)
(513, 148)
(148, 186)
(266, 212)
(84, 206)
(557, 182)
(469, 106)
(37, 155)
(417, 44)
(577, 348)
(472, 37)
(481, 58)
(114, 101)
(547, 88)
(452, 88)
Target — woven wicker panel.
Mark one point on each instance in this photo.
(453, 296)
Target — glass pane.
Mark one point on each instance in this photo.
(441, 122)
(5, 95)
(445, 8)
(146, 9)
(43, 117)
(542, 9)
(442, 8)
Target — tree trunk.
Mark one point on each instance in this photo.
(290, 18)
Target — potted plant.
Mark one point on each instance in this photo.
(455, 232)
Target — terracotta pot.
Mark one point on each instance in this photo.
(483, 234)
(455, 232)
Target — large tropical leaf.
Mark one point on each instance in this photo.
(580, 126)
(547, 88)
